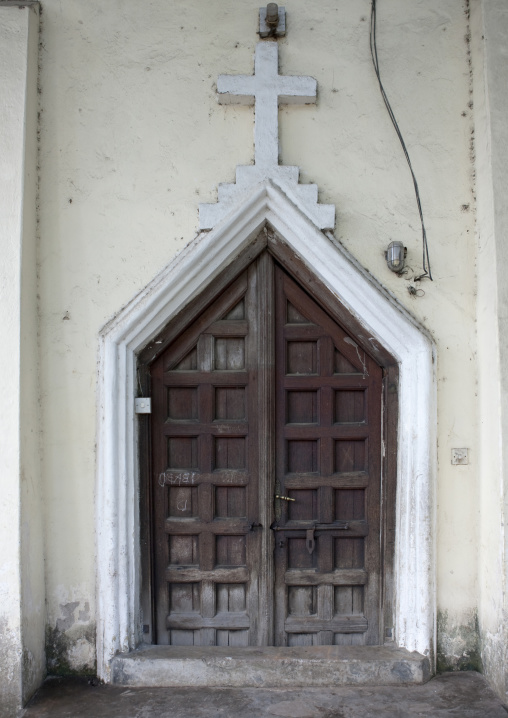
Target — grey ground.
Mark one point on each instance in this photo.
(454, 695)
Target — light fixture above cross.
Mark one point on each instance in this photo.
(266, 90)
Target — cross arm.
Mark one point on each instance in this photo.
(297, 90)
(236, 89)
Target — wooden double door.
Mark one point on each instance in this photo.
(266, 463)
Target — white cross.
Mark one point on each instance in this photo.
(266, 90)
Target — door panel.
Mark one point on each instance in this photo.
(206, 493)
(265, 395)
(328, 473)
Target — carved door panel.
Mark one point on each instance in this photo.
(328, 468)
(262, 395)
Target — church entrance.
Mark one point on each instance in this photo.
(265, 501)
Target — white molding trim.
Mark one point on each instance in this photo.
(118, 562)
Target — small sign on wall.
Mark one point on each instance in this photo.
(143, 405)
(460, 456)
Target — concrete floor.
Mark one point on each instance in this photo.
(461, 695)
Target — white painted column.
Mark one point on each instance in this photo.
(22, 663)
(489, 29)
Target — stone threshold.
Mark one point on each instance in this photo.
(269, 667)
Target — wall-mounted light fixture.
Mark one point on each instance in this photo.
(272, 21)
(272, 14)
(395, 256)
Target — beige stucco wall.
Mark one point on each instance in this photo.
(33, 604)
(132, 139)
(22, 595)
(490, 45)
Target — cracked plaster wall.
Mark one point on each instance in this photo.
(132, 139)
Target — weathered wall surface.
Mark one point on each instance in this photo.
(33, 603)
(490, 47)
(132, 139)
(22, 611)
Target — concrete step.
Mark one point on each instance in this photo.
(269, 667)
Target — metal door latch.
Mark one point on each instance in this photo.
(309, 540)
(255, 526)
(284, 498)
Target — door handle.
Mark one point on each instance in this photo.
(284, 498)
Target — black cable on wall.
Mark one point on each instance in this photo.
(373, 51)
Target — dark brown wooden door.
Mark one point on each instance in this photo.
(328, 417)
(264, 395)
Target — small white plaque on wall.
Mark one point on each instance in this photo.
(460, 456)
(143, 405)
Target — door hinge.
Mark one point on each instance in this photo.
(143, 405)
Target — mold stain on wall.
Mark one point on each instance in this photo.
(458, 645)
(70, 644)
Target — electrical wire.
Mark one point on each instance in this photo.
(373, 52)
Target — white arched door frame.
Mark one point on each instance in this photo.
(384, 321)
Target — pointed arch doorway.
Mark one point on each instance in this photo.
(268, 217)
(269, 511)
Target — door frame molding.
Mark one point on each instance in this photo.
(387, 329)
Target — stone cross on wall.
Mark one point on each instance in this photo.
(266, 90)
